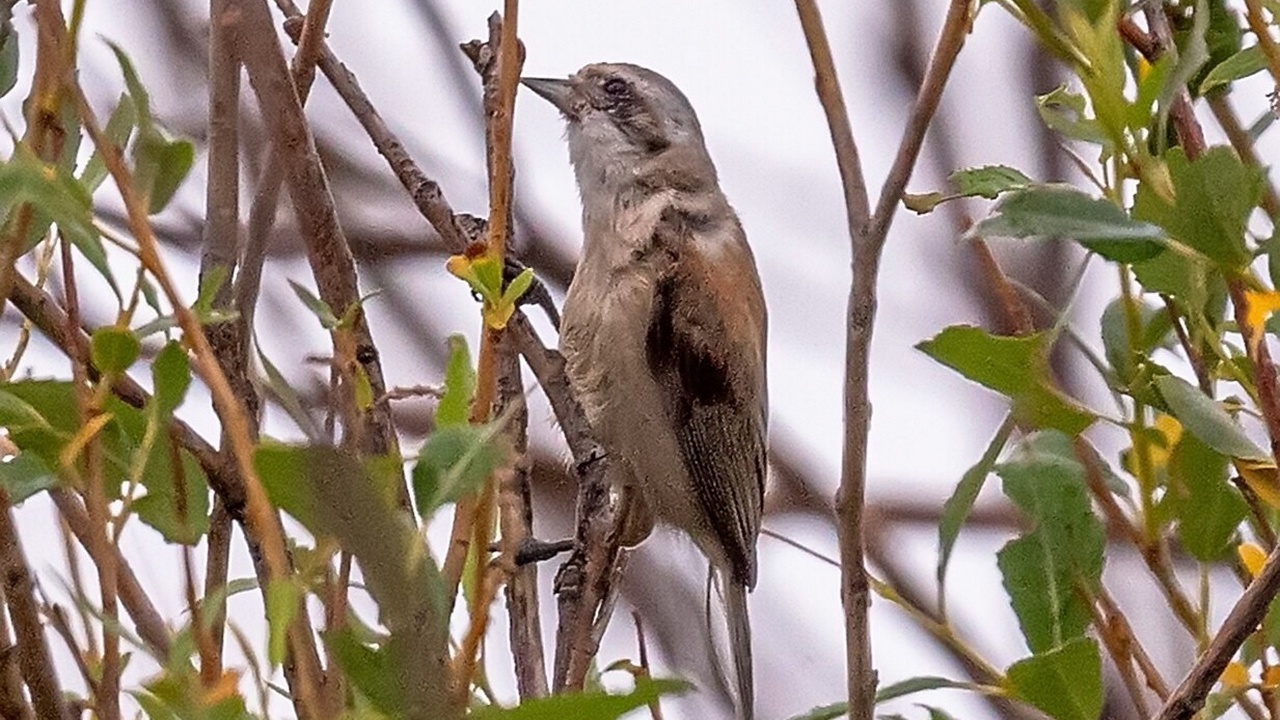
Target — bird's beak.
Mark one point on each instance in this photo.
(555, 91)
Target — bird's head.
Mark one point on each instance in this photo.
(620, 118)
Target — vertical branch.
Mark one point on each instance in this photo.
(583, 582)
(328, 252)
(867, 235)
(33, 650)
(498, 63)
(229, 340)
(515, 504)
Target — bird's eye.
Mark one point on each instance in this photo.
(616, 87)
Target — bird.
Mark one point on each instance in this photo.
(664, 327)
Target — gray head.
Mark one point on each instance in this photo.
(626, 122)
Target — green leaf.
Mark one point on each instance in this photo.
(370, 668)
(282, 604)
(1015, 367)
(24, 475)
(1044, 566)
(318, 307)
(177, 501)
(589, 705)
(825, 712)
(288, 398)
(138, 93)
(1207, 508)
(333, 496)
(918, 684)
(160, 167)
(518, 286)
(459, 385)
(1204, 418)
(956, 509)
(1062, 211)
(1248, 61)
(8, 57)
(113, 349)
(937, 713)
(1064, 112)
(1212, 198)
(53, 191)
(42, 417)
(1066, 682)
(211, 284)
(118, 129)
(1154, 328)
(171, 376)
(988, 181)
(454, 462)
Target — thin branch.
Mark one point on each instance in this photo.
(425, 192)
(32, 648)
(221, 245)
(146, 618)
(515, 505)
(328, 252)
(827, 84)
(1258, 25)
(261, 520)
(582, 584)
(867, 235)
(498, 62)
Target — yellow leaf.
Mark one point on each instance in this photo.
(1259, 304)
(459, 266)
(1271, 677)
(1171, 429)
(1235, 676)
(1252, 556)
(1262, 478)
(83, 436)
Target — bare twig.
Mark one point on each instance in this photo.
(867, 234)
(32, 649)
(425, 192)
(1258, 25)
(221, 245)
(515, 504)
(583, 581)
(327, 250)
(148, 621)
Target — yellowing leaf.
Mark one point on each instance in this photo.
(1171, 429)
(1259, 304)
(1271, 677)
(1235, 676)
(1262, 478)
(460, 267)
(1252, 556)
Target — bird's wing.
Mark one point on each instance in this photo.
(705, 349)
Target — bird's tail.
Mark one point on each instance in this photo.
(735, 603)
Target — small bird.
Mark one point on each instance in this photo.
(664, 326)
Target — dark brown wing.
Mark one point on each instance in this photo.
(705, 350)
